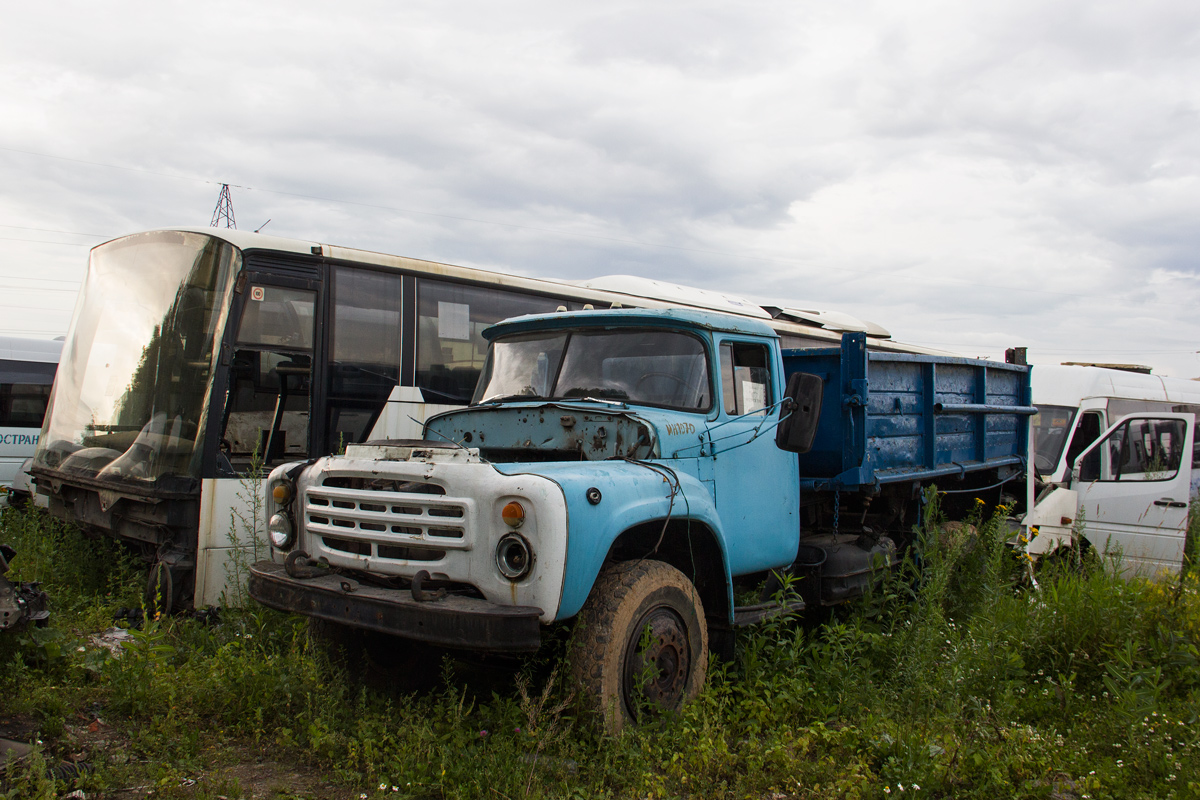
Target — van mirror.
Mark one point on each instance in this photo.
(802, 405)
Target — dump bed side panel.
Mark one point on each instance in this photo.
(889, 417)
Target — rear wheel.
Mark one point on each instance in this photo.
(641, 642)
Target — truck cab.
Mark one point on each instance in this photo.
(599, 444)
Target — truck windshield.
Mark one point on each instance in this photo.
(645, 367)
(134, 382)
(1050, 428)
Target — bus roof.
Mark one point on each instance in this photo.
(1070, 385)
(610, 290)
(15, 348)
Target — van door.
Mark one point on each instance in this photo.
(1133, 486)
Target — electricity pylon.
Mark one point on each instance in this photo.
(224, 210)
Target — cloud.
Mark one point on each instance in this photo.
(966, 175)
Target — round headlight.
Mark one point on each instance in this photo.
(514, 558)
(513, 514)
(282, 492)
(279, 528)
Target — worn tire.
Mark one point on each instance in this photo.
(607, 659)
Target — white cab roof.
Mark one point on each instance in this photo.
(1068, 386)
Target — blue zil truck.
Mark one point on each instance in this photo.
(638, 472)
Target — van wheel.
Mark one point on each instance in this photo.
(641, 642)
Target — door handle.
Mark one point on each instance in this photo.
(1169, 503)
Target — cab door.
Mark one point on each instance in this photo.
(755, 482)
(1133, 485)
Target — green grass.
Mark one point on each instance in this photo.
(954, 679)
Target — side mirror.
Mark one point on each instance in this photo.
(802, 405)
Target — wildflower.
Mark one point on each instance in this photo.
(362, 796)
(382, 786)
(916, 788)
(483, 734)
(887, 790)
(395, 788)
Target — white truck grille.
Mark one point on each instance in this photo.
(403, 526)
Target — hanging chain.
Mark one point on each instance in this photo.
(837, 506)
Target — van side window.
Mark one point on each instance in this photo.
(1086, 432)
(1140, 450)
(745, 378)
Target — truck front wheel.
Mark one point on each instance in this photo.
(641, 642)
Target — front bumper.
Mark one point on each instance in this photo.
(461, 622)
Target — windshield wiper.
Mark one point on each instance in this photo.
(619, 403)
(504, 398)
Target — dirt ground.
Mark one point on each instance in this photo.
(90, 750)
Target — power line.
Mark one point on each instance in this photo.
(55, 230)
(42, 241)
(46, 280)
(537, 229)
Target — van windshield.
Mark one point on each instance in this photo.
(1051, 425)
(644, 367)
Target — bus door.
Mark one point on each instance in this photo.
(1133, 485)
(269, 395)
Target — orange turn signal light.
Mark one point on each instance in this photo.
(281, 493)
(513, 514)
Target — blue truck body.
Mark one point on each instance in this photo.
(634, 469)
(896, 417)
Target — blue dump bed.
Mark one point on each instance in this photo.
(890, 417)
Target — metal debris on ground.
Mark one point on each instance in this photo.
(113, 640)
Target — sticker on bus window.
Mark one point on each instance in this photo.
(454, 321)
(257, 293)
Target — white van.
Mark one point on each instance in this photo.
(27, 368)
(1116, 454)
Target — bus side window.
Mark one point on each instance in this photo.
(450, 323)
(22, 405)
(364, 352)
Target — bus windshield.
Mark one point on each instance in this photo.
(135, 378)
(648, 367)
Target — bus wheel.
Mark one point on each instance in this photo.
(641, 642)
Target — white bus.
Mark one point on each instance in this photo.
(193, 349)
(26, 374)
(1118, 459)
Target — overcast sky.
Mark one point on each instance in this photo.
(971, 176)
